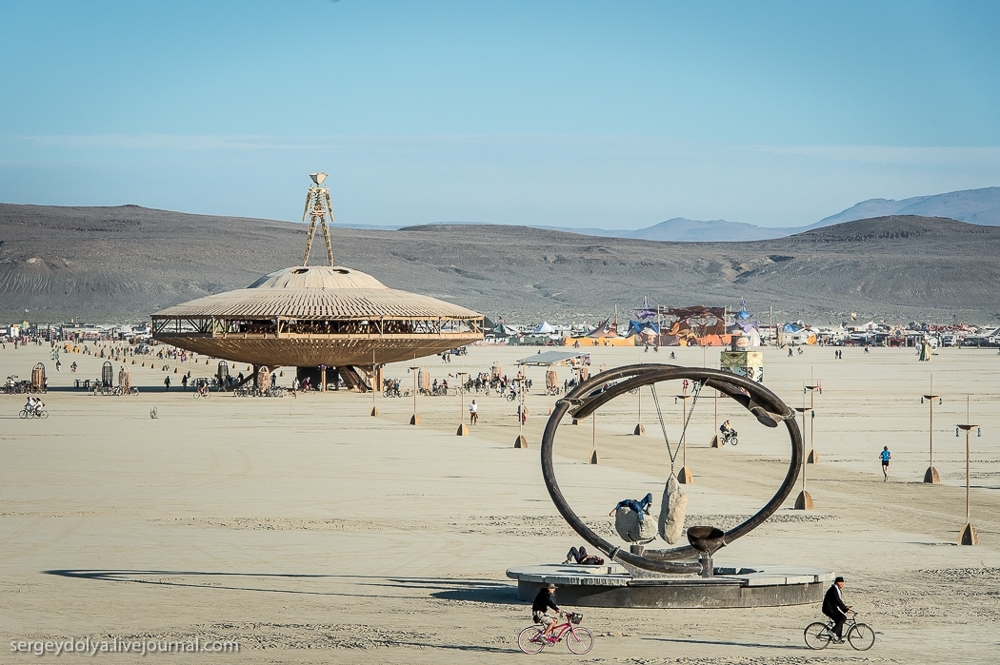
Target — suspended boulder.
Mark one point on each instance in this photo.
(673, 509)
(631, 530)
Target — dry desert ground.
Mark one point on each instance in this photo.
(311, 532)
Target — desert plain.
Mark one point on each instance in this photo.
(311, 532)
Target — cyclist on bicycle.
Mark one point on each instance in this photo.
(544, 601)
(835, 608)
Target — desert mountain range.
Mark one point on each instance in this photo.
(976, 206)
(104, 264)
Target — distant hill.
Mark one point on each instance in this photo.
(122, 263)
(976, 206)
(680, 229)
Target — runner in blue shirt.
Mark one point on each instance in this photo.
(885, 455)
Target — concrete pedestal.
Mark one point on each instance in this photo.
(374, 412)
(730, 586)
(684, 476)
(639, 430)
(520, 441)
(595, 458)
(931, 475)
(803, 501)
(715, 442)
(812, 457)
(463, 430)
(414, 419)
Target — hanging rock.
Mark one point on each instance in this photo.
(672, 511)
(631, 530)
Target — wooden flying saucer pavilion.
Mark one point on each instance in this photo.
(318, 317)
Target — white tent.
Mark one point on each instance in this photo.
(544, 329)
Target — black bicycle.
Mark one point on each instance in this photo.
(820, 635)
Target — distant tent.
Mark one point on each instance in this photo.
(605, 329)
(544, 329)
(643, 328)
(502, 330)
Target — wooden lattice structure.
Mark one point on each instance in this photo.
(317, 315)
(551, 379)
(38, 377)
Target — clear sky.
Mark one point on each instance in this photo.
(617, 114)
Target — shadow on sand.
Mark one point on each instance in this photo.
(483, 591)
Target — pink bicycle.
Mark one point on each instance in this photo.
(532, 639)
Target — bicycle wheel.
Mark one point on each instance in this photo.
(530, 640)
(818, 635)
(43, 415)
(861, 636)
(22, 414)
(734, 441)
(580, 641)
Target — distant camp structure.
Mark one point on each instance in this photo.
(317, 318)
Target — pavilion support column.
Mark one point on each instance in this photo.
(322, 377)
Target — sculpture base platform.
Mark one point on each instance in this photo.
(931, 475)
(731, 586)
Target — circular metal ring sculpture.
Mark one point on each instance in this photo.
(597, 391)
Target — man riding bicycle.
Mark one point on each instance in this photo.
(835, 608)
(543, 601)
(726, 433)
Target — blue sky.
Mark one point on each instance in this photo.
(611, 114)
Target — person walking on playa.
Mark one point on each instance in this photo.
(166, 384)
(886, 456)
(473, 413)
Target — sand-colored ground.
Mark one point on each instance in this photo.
(313, 533)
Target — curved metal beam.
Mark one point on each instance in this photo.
(598, 390)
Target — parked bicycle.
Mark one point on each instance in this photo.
(532, 639)
(819, 635)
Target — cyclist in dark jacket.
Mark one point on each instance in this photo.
(835, 608)
(543, 601)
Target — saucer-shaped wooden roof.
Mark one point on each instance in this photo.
(317, 315)
(320, 293)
